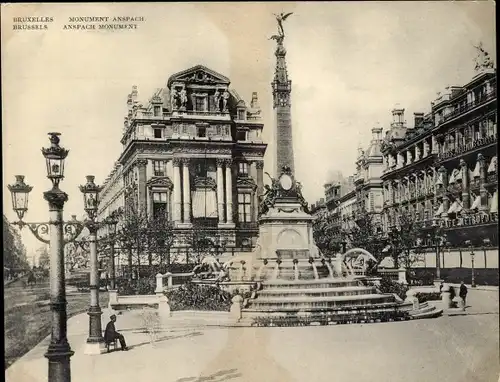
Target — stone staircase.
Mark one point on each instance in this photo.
(330, 300)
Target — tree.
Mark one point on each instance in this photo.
(404, 240)
(140, 235)
(14, 252)
(76, 257)
(365, 232)
(43, 258)
(205, 241)
(327, 233)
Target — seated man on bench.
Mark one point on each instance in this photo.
(111, 335)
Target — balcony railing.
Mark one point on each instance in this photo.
(469, 106)
(462, 149)
(471, 220)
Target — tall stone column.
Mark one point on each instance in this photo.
(435, 148)
(220, 190)
(400, 160)
(465, 185)
(482, 176)
(446, 200)
(186, 191)
(426, 148)
(176, 215)
(229, 192)
(143, 189)
(255, 195)
(260, 179)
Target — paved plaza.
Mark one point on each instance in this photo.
(450, 348)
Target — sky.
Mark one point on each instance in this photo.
(350, 63)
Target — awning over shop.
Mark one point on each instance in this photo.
(494, 202)
(476, 203)
(459, 206)
(204, 204)
(458, 175)
(440, 210)
(493, 165)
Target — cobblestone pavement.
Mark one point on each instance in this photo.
(460, 348)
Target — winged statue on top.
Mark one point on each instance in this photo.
(280, 18)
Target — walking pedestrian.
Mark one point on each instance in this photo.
(453, 294)
(463, 294)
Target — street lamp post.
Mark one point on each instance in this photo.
(472, 255)
(95, 340)
(60, 233)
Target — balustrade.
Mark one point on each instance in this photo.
(469, 106)
(461, 149)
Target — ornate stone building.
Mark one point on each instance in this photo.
(443, 170)
(194, 154)
(345, 197)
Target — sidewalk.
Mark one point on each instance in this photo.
(144, 360)
(491, 288)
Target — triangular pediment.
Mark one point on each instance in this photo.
(245, 182)
(160, 181)
(199, 74)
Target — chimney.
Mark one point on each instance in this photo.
(455, 91)
(255, 101)
(418, 120)
(398, 116)
(134, 94)
(376, 134)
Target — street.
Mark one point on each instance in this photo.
(460, 348)
(27, 315)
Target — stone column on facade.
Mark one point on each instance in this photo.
(260, 179)
(142, 178)
(417, 152)
(176, 215)
(229, 191)
(435, 148)
(186, 188)
(417, 184)
(465, 185)
(390, 196)
(220, 190)
(482, 176)
(400, 160)
(255, 194)
(426, 148)
(409, 157)
(446, 200)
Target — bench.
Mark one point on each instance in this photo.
(113, 343)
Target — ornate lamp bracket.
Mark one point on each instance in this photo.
(41, 230)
